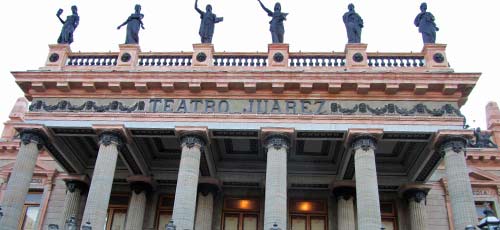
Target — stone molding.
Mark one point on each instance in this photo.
(33, 136)
(456, 143)
(364, 142)
(345, 192)
(192, 140)
(110, 137)
(277, 141)
(418, 195)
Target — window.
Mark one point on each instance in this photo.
(31, 209)
(389, 216)
(164, 213)
(241, 214)
(308, 215)
(484, 205)
(117, 212)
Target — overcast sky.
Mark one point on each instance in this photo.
(469, 29)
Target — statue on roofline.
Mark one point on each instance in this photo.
(208, 20)
(134, 24)
(353, 24)
(69, 26)
(483, 140)
(277, 28)
(426, 25)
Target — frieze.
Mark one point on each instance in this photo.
(249, 106)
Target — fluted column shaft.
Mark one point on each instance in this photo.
(416, 207)
(205, 210)
(136, 209)
(275, 211)
(187, 182)
(20, 179)
(72, 201)
(367, 197)
(459, 186)
(102, 181)
(345, 208)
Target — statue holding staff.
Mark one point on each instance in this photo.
(69, 26)
(353, 24)
(134, 25)
(277, 28)
(426, 25)
(208, 20)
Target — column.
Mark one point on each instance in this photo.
(275, 211)
(20, 179)
(367, 197)
(187, 182)
(102, 180)
(459, 187)
(74, 191)
(205, 209)
(137, 206)
(416, 207)
(345, 208)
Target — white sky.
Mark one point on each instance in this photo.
(469, 29)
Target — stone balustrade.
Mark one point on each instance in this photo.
(354, 57)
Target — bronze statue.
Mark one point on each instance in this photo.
(69, 26)
(483, 140)
(208, 20)
(353, 24)
(426, 25)
(277, 29)
(134, 25)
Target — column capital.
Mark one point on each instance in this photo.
(72, 185)
(415, 194)
(455, 143)
(192, 140)
(344, 192)
(33, 136)
(277, 141)
(110, 137)
(364, 142)
(140, 183)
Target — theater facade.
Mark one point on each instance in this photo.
(246, 141)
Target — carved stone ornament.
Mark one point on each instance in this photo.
(33, 136)
(126, 57)
(201, 57)
(71, 223)
(87, 226)
(277, 141)
(365, 142)
(438, 57)
(54, 57)
(416, 194)
(456, 144)
(345, 193)
(357, 57)
(140, 186)
(192, 140)
(53, 227)
(278, 57)
(275, 227)
(107, 138)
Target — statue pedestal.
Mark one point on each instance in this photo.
(129, 55)
(203, 54)
(355, 55)
(278, 54)
(58, 54)
(435, 56)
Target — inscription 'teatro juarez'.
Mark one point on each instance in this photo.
(240, 106)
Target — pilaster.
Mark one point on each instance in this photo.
(345, 196)
(417, 202)
(138, 200)
(76, 186)
(207, 190)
